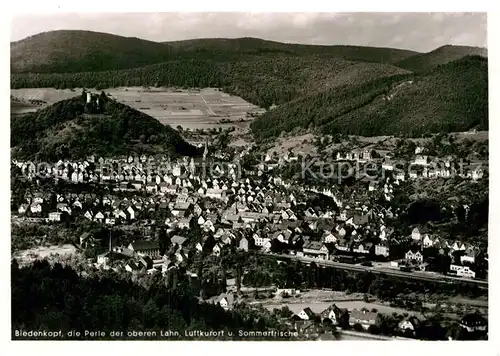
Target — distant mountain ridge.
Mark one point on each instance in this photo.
(333, 89)
(78, 51)
(257, 45)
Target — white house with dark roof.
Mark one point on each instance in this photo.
(315, 249)
(409, 324)
(414, 255)
(306, 314)
(225, 300)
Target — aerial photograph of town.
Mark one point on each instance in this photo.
(286, 178)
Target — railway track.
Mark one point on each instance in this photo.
(386, 271)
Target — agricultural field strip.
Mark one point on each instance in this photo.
(187, 109)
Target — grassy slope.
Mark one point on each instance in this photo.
(442, 55)
(62, 130)
(79, 51)
(453, 97)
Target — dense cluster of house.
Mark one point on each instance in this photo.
(423, 166)
(250, 213)
(253, 213)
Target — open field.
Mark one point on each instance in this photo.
(319, 300)
(297, 144)
(318, 307)
(190, 109)
(42, 252)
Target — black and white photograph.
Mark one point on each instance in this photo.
(238, 176)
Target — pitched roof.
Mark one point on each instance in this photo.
(333, 308)
(141, 245)
(179, 240)
(412, 319)
(313, 245)
(182, 206)
(364, 316)
(308, 312)
(472, 251)
(228, 297)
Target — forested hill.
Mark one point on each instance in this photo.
(426, 61)
(74, 129)
(81, 51)
(250, 45)
(76, 51)
(262, 80)
(452, 97)
(345, 89)
(57, 298)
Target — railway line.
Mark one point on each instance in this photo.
(387, 271)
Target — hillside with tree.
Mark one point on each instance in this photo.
(330, 89)
(58, 298)
(80, 51)
(425, 61)
(452, 97)
(262, 80)
(75, 128)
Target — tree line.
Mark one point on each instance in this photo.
(57, 298)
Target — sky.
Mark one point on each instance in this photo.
(421, 32)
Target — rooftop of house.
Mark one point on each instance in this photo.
(179, 240)
(363, 315)
(227, 296)
(333, 308)
(308, 312)
(412, 319)
(144, 245)
(313, 245)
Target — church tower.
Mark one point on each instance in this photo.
(205, 152)
(192, 167)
